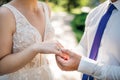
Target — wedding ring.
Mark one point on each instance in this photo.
(58, 49)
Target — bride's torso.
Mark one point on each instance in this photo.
(25, 35)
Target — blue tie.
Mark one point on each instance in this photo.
(98, 37)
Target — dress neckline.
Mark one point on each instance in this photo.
(42, 38)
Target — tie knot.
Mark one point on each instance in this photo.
(111, 8)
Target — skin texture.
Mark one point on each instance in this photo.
(9, 61)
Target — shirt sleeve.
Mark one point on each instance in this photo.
(99, 70)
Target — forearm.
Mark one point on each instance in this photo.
(13, 62)
(98, 70)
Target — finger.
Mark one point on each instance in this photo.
(60, 60)
(68, 52)
(58, 53)
(58, 48)
(63, 64)
(61, 54)
(65, 56)
(65, 51)
(59, 44)
(59, 64)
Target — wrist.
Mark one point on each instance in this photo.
(37, 48)
(78, 60)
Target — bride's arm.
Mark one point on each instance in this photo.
(10, 62)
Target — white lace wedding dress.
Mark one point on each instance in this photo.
(25, 35)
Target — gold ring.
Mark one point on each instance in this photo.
(58, 49)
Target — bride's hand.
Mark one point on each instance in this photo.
(51, 47)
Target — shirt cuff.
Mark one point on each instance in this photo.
(87, 66)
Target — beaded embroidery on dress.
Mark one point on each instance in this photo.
(25, 35)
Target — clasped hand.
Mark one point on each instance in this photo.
(69, 61)
(66, 59)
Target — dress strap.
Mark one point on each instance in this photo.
(13, 10)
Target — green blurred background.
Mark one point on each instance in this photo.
(78, 8)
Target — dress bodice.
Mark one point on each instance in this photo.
(25, 35)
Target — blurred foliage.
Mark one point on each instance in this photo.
(74, 7)
(4, 1)
(78, 24)
(68, 5)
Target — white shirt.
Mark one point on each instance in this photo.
(107, 66)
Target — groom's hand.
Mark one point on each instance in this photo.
(70, 60)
